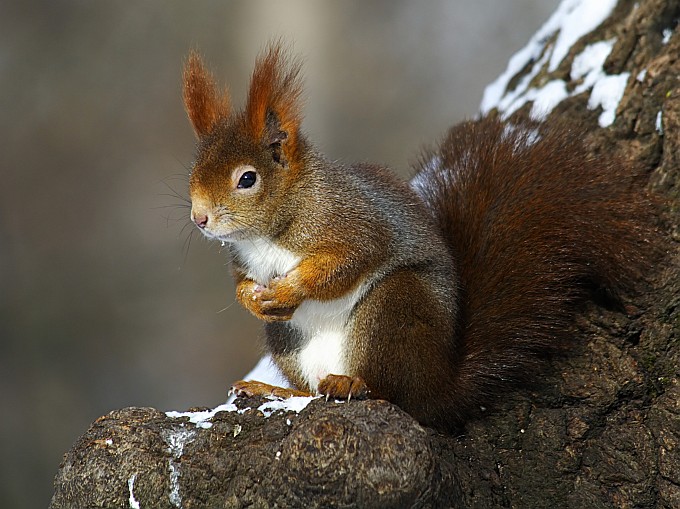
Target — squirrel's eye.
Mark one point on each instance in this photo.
(247, 180)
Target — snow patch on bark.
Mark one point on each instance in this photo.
(176, 440)
(134, 504)
(548, 47)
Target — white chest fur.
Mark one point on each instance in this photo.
(323, 324)
(264, 259)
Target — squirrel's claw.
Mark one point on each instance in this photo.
(343, 387)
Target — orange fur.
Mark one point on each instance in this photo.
(251, 388)
(275, 88)
(204, 103)
(319, 277)
(469, 276)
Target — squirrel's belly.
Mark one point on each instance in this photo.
(325, 328)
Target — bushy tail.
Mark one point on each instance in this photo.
(534, 222)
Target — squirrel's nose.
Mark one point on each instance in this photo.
(200, 219)
(200, 211)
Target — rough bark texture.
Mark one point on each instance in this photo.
(602, 429)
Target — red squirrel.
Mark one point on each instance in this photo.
(435, 294)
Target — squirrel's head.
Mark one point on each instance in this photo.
(247, 161)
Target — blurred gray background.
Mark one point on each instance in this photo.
(101, 305)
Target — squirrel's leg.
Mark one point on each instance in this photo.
(282, 342)
(403, 334)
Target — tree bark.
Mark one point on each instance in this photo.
(601, 429)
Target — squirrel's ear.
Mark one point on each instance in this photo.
(273, 112)
(204, 103)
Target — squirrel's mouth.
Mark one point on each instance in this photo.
(233, 236)
(219, 228)
(225, 237)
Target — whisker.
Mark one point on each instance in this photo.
(187, 245)
(185, 201)
(178, 176)
(172, 206)
(187, 224)
(173, 210)
(174, 193)
(183, 164)
(226, 308)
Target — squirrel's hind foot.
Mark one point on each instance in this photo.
(251, 388)
(343, 387)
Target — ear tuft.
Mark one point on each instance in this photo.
(273, 112)
(204, 102)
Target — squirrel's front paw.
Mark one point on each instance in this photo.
(276, 302)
